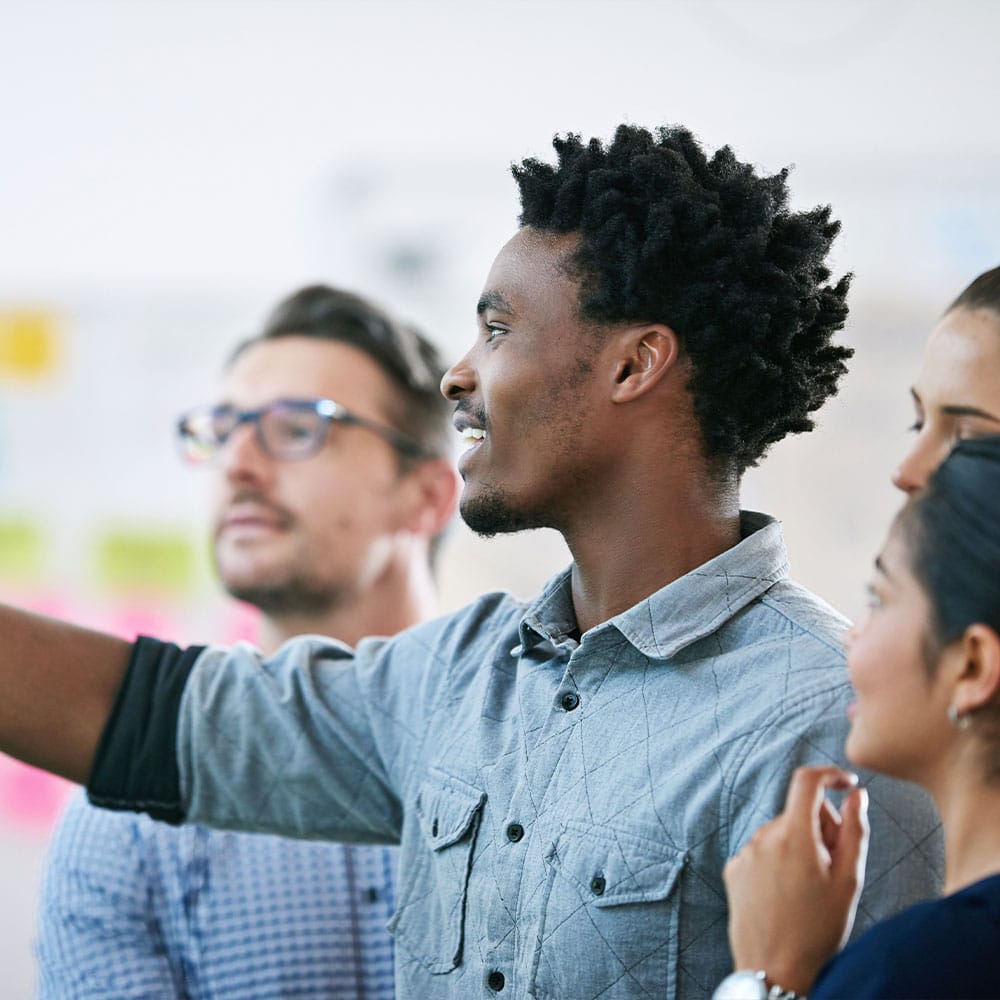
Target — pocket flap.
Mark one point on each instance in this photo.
(447, 807)
(611, 867)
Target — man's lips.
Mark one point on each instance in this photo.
(253, 516)
(473, 436)
(471, 427)
(470, 422)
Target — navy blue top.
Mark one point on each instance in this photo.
(944, 948)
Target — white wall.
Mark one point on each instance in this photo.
(168, 168)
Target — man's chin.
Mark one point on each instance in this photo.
(295, 596)
(244, 572)
(490, 513)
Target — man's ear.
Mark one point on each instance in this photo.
(977, 680)
(435, 487)
(648, 353)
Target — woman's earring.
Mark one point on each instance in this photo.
(960, 722)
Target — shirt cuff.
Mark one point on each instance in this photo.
(136, 763)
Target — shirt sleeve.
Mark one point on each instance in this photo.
(136, 763)
(317, 741)
(311, 742)
(98, 936)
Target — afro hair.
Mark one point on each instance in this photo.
(710, 248)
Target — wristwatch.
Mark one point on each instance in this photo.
(745, 984)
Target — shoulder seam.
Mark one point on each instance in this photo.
(775, 605)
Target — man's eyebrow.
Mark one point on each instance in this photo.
(492, 300)
(880, 566)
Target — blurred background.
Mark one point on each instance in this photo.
(170, 168)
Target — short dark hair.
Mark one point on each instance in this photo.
(406, 357)
(983, 293)
(711, 249)
(952, 535)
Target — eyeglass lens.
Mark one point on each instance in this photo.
(291, 431)
(284, 429)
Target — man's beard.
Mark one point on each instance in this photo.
(295, 595)
(490, 513)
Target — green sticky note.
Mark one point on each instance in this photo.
(21, 549)
(164, 561)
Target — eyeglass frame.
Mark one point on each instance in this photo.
(328, 410)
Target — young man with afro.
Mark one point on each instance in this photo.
(566, 776)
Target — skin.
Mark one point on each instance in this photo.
(956, 393)
(899, 721)
(335, 543)
(588, 430)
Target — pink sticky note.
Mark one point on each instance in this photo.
(29, 798)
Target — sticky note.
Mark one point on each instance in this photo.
(21, 549)
(149, 560)
(30, 799)
(29, 343)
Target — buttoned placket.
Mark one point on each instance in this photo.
(518, 843)
(566, 672)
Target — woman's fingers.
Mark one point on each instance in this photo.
(808, 787)
(852, 845)
(829, 824)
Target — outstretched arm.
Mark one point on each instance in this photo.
(793, 889)
(58, 684)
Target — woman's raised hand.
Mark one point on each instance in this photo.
(794, 887)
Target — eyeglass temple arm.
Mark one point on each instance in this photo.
(397, 439)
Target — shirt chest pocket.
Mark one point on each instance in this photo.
(611, 909)
(429, 922)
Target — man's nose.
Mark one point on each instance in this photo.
(242, 459)
(459, 380)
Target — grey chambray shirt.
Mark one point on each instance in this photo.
(565, 809)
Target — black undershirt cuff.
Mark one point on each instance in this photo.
(136, 763)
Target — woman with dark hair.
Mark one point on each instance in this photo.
(925, 665)
(956, 394)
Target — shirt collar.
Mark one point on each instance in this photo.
(681, 612)
(550, 617)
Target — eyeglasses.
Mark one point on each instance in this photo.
(287, 429)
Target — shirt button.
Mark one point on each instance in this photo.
(598, 885)
(495, 981)
(515, 832)
(570, 700)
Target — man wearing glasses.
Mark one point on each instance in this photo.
(332, 485)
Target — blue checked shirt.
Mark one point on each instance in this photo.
(131, 908)
(565, 808)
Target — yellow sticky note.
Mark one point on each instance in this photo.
(163, 561)
(29, 343)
